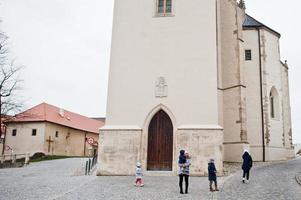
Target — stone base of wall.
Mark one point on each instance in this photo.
(276, 154)
(202, 144)
(233, 151)
(120, 150)
(290, 154)
(271, 153)
(257, 153)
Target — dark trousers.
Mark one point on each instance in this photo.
(181, 176)
(215, 184)
(246, 173)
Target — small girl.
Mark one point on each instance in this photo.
(212, 175)
(139, 175)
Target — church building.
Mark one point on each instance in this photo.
(198, 75)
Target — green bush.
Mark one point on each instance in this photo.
(47, 157)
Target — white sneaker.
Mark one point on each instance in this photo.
(243, 180)
(247, 181)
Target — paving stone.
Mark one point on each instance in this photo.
(268, 182)
(298, 178)
(63, 180)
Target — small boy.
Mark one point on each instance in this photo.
(212, 175)
(139, 175)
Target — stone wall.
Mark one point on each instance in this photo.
(202, 145)
(232, 76)
(277, 129)
(118, 152)
(121, 149)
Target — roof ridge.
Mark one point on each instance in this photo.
(252, 22)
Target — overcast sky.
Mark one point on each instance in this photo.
(65, 46)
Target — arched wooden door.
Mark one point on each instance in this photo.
(160, 143)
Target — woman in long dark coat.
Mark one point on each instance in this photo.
(212, 175)
(184, 164)
(246, 166)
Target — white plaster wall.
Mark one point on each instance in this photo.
(287, 126)
(181, 48)
(252, 69)
(231, 73)
(24, 142)
(273, 67)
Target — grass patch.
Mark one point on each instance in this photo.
(49, 157)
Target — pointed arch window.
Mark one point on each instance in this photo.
(274, 103)
(164, 7)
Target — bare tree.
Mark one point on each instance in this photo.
(10, 103)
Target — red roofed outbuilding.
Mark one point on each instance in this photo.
(52, 130)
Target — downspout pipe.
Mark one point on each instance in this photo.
(261, 95)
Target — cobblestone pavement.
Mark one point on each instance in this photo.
(156, 188)
(298, 178)
(63, 180)
(43, 180)
(272, 182)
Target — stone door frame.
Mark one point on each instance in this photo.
(144, 138)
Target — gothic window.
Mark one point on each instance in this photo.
(164, 7)
(274, 104)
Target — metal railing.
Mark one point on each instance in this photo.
(90, 163)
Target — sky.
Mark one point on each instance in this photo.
(65, 48)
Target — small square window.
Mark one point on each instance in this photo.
(164, 7)
(56, 134)
(34, 132)
(161, 6)
(168, 7)
(248, 55)
(14, 133)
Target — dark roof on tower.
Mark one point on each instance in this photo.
(250, 22)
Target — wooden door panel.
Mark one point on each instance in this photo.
(160, 143)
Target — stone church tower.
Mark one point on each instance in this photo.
(177, 81)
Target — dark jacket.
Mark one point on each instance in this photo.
(248, 162)
(211, 172)
(182, 157)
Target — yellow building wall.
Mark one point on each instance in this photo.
(24, 142)
(70, 142)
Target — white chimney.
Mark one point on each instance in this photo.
(61, 112)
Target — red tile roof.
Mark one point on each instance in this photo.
(50, 113)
